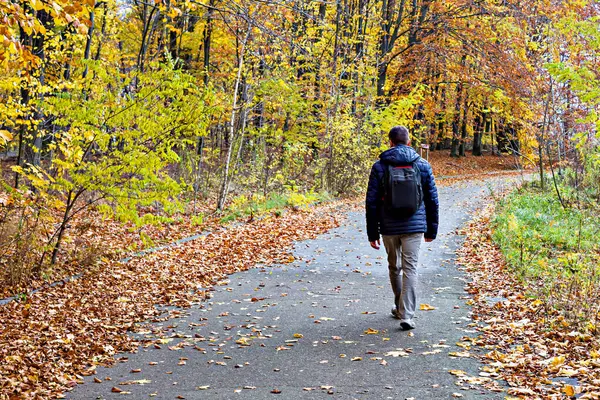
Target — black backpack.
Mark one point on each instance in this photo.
(402, 190)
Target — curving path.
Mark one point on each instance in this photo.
(317, 328)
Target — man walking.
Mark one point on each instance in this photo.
(402, 205)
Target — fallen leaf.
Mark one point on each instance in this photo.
(462, 354)
(569, 390)
(244, 341)
(397, 353)
(138, 382)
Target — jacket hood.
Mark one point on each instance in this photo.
(399, 155)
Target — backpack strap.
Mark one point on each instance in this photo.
(386, 175)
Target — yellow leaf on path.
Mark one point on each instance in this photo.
(243, 341)
(569, 390)
(298, 335)
(568, 372)
(426, 307)
(556, 361)
(371, 331)
(457, 372)
(464, 354)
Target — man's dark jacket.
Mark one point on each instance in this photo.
(379, 221)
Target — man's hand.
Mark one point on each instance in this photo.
(428, 240)
(375, 244)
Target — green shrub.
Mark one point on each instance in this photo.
(553, 250)
(242, 206)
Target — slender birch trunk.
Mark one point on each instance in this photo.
(225, 181)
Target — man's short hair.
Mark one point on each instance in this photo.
(399, 135)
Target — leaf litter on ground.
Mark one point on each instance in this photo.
(59, 334)
(529, 351)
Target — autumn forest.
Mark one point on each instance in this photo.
(128, 124)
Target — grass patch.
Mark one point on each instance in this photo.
(554, 250)
(257, 204)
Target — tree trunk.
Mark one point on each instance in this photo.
(102, 32)
(225, 182)
(146, 16)
(88, 43)
(455, 121)
(478, 132)
(441, 116)
(334, 92)
(542, 137)
(206, 42)
(463, 128)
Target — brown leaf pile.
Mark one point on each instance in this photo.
(93, 238)
(532, 350)
(61, 333)
(470, 165)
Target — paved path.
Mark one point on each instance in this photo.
(305, 325)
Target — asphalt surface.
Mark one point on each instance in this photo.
(317, 328)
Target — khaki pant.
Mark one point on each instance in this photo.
(403, 255)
